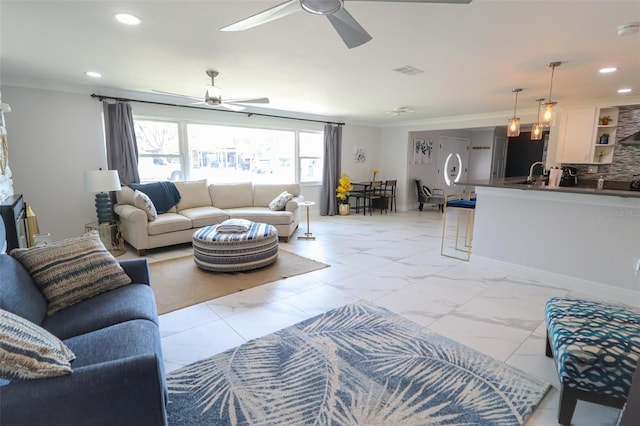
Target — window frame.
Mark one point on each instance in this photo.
(183, 142)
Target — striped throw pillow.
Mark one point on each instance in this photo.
(28, 351)
(280, 201)
(72, 270)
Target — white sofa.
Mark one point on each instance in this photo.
(201, 205)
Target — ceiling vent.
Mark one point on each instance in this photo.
(408, 70)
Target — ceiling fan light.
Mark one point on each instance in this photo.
(213, 95)
(321, 7)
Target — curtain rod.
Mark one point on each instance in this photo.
(101, 98)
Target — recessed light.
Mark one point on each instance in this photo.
(608, 70)
(93, 74)
(626, 90)
(127, 19)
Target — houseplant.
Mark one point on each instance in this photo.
(605, 120)
(342, 193)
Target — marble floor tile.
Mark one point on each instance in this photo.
(393, 260)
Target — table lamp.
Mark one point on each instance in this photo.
(102, 182)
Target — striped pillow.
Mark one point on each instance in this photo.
(72, 270)
(28, 351)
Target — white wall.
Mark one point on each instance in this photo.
(481, 154)
(55, 136)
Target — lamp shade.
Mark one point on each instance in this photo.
(101, 181)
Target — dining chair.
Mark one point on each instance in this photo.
(360, 194)
(377, 199)
(390, 192)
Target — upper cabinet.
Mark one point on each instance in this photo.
(584, 136)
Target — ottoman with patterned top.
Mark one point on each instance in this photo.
(235, 245)
(596, 348)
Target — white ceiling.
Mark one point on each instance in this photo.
(472, 55)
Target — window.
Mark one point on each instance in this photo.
(172, 150)
(158, 150)
(311, 159)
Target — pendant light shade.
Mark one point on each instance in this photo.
(513, 129)
(549, 111)
(536, 130)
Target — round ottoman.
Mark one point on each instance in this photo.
(218, 251)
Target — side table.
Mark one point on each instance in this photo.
(307, 235)
(110, 235)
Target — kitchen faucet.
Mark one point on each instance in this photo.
(530, 177)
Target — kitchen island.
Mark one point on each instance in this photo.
(579, 231)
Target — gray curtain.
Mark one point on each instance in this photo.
(122, 149)
(331, 171)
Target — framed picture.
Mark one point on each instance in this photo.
(422, 151)
(359, 155)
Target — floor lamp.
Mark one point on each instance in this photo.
(102, 182)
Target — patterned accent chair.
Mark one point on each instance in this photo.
(596, 348)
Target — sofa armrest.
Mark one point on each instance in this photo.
(292, 204)
(137, 269)
(125, 392)
(133, 223)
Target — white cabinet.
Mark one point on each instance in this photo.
(583, 140)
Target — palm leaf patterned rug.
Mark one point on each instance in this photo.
(354, 365)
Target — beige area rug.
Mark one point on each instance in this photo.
(178, 283)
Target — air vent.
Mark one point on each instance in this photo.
(408, 70)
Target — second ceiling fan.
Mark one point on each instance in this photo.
(213, 96)
(347, 27)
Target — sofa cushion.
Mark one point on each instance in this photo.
(168, 222)
(18, 293)
(263, 193)
(193, 194)
(72, 270)
(231, 195)
(262, 214)
(27, 351)
(144, 203)
(119, 341)
(280, 201)
(205, 216)
(134, 301)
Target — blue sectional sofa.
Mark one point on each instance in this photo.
(118, 374)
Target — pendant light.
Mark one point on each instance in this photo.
(549, 111)
(536, 130)
(513, 129)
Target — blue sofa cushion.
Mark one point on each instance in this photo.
(72, 270)
(133, 301)
(27, 351)
(18, 293)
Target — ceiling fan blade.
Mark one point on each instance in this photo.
(268, 15)
(230, 107)
(348, 29)
(178, 95)
(248, 101)
(422, 1)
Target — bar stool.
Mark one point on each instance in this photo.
(465, 212)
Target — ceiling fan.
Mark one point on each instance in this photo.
(347, 27)
(213, 96)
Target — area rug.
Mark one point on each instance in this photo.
(355, 365)
(178, 283)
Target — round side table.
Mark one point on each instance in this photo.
(307, 235)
